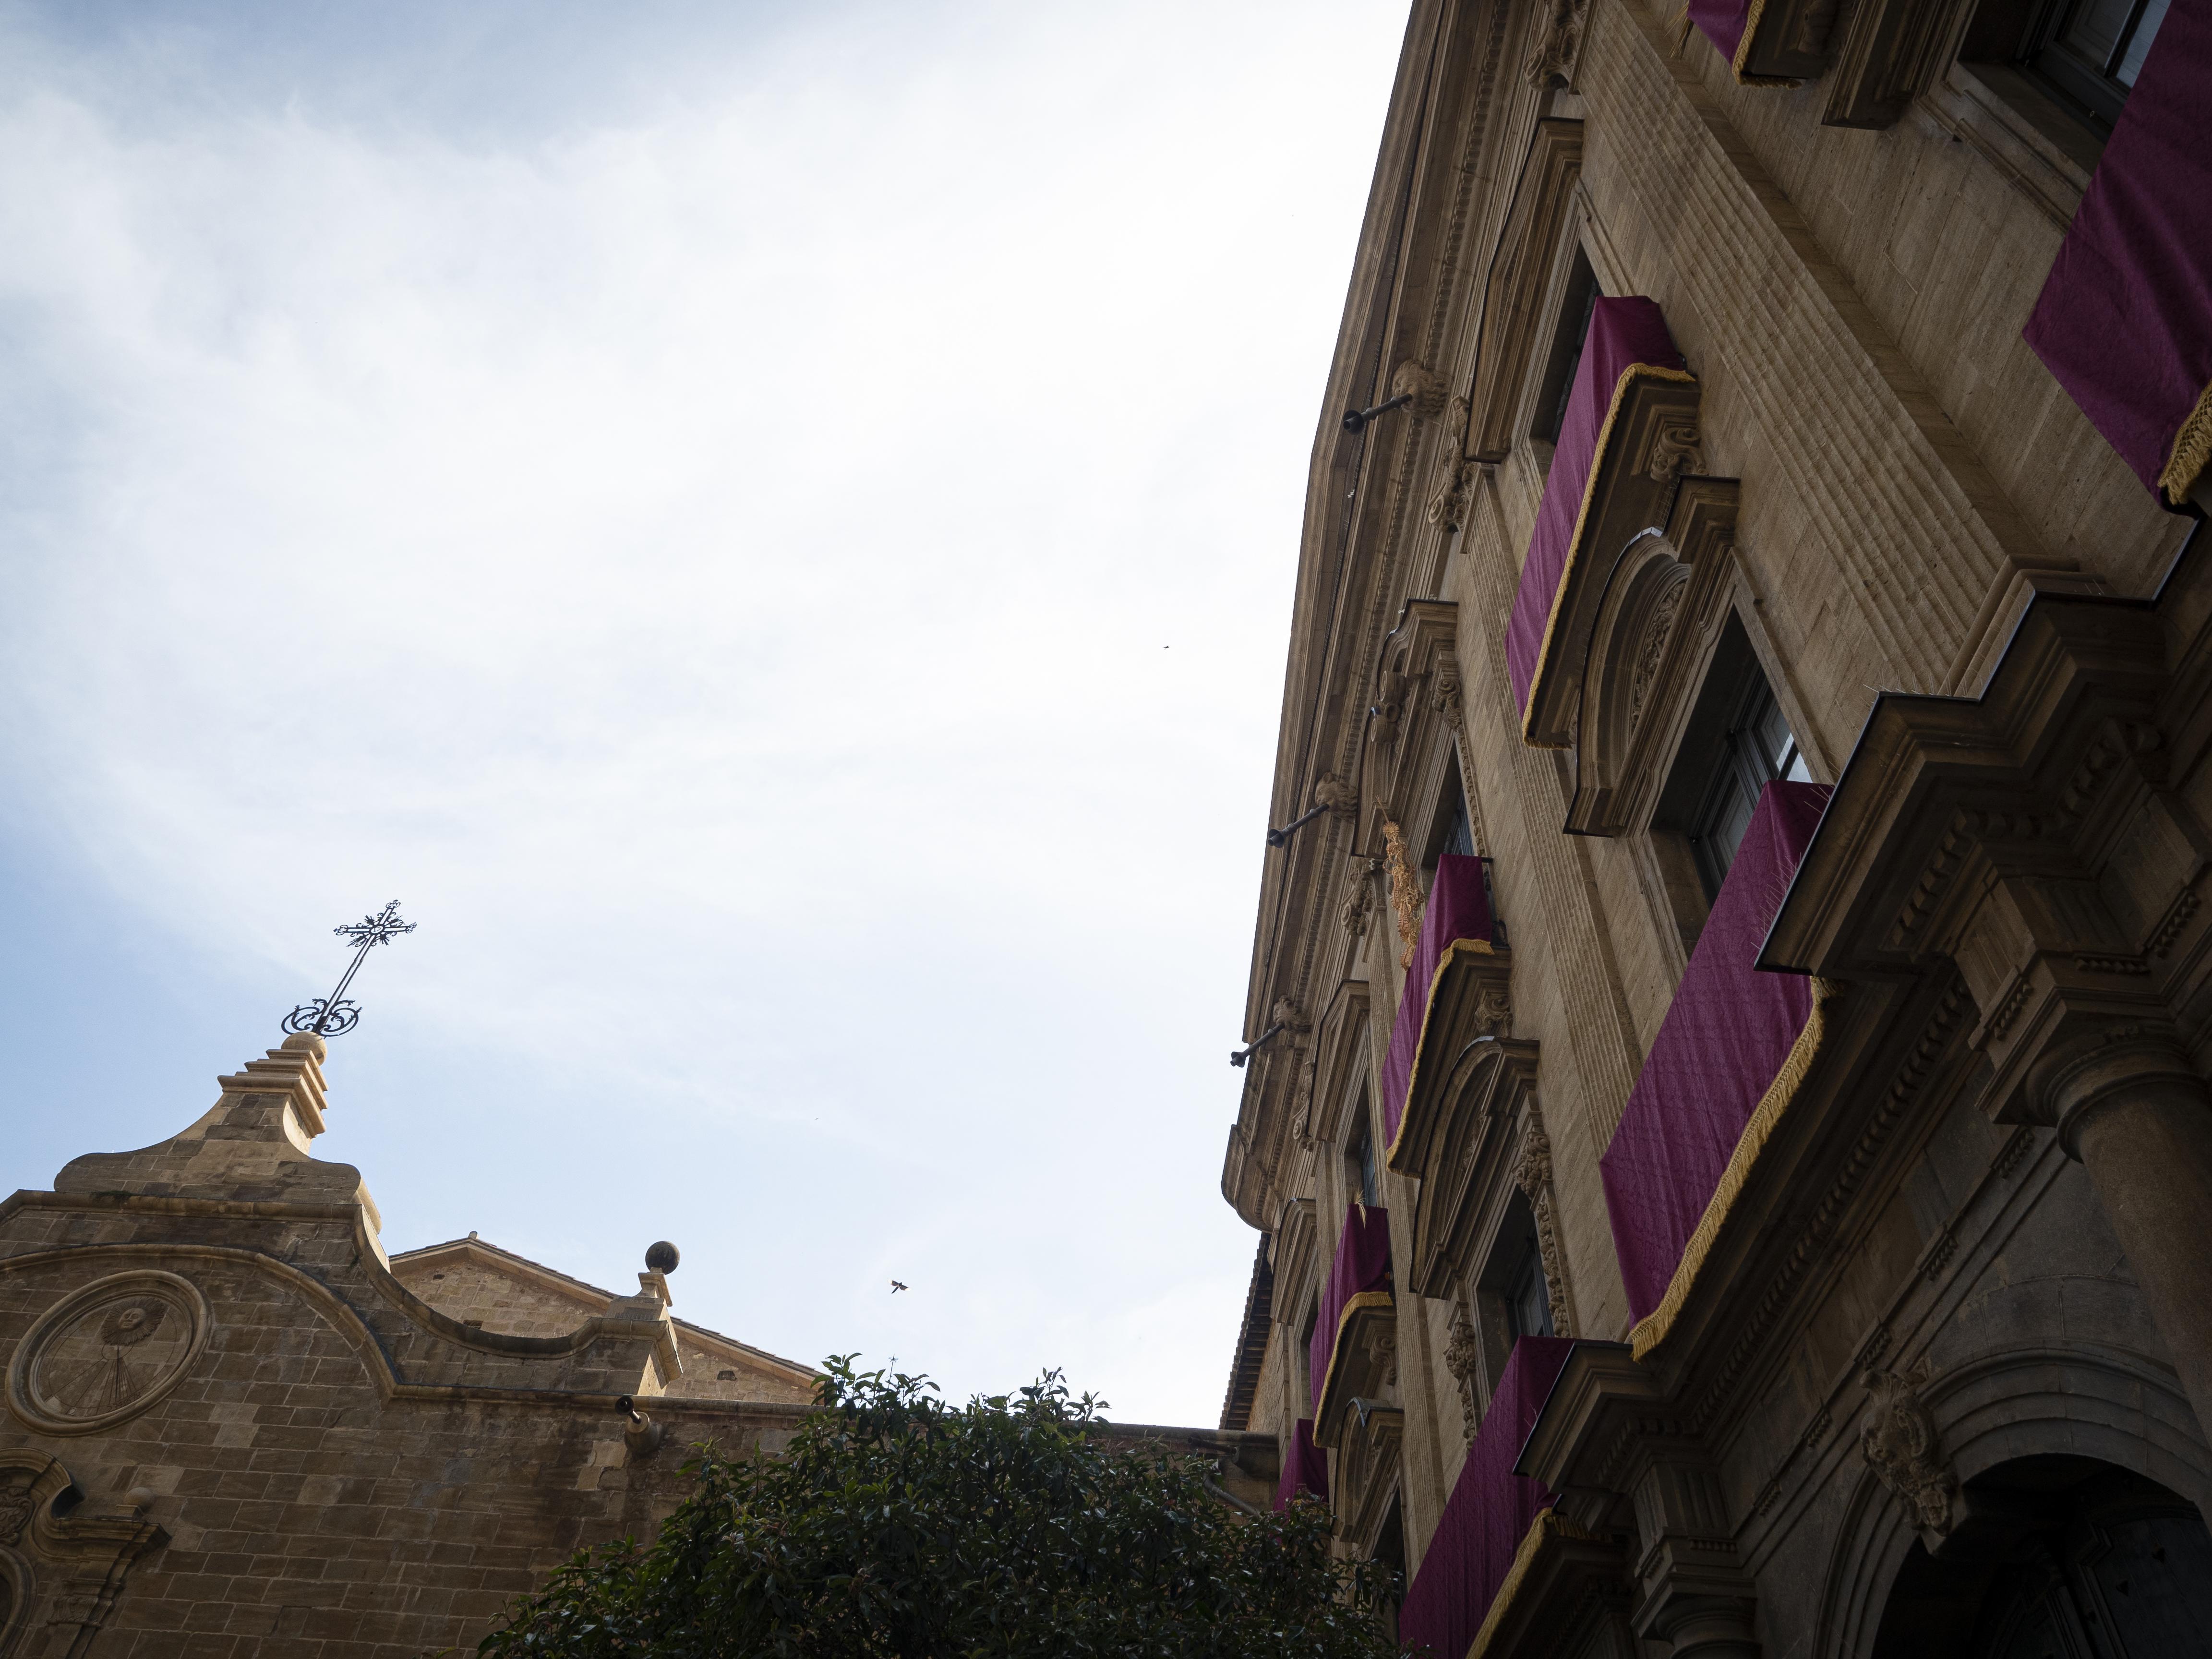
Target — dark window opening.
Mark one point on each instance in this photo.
(1366, 1176)
(1527, 1298)
(1454, 831)
(2084, 54)
(1737, 743)
(1566, 353)
(1391, 1551)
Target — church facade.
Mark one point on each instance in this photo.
(1724, 1095)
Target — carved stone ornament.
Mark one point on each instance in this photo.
(1675, 449)
(106, 1352)
(1897, 1438)
(1532, 1173)
(15, 1512)
(1418, 379)
(1558, 36)
(1288, 1015)
(1389, 711)
(1459, 1354)
(1359, 896)
(1454, 487)
(1339, 795)
(1449, 703)
(1653, 646)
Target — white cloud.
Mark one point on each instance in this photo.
(790, 586)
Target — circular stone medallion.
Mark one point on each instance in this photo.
(106, 1352)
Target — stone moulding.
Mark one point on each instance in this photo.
(1521, 273)
(121, 1342)
(1631, 493)
(1647, 643)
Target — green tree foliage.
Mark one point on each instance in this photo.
(896, 1526)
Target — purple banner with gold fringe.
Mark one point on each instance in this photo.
(1457, 918)
(1627, 337)
(1489, 1512)
(1731, 1050)
(1305, 1467)
(2125, 320)
(1358, 1277)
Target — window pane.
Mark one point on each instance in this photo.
(2138, 46)
(2093, 30)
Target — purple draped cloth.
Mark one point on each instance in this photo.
(1725, 1036)
(1722, 22)
(1458, 909)
(1490, 1509)
(2125, 320)
(1624, 334)
(1362, 1265)
(1305, 1467)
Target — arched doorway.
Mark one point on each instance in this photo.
(2057, 1558)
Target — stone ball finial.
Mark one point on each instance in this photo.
(662, 1257)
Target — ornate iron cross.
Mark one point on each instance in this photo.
(333, 1015)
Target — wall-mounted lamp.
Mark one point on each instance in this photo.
(1355, 420)
(1241, 1055)
(1279, 837)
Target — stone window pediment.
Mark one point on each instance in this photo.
(1649, 634)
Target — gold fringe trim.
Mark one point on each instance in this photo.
(1363, 1299)
(1651, 1330)
(1750, 17)
(1458, 947)
(2192, 449)
(1581, 519)
(1548, 1523)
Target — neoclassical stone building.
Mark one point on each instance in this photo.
(1724, 1105)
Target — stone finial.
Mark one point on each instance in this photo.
(662, 1257)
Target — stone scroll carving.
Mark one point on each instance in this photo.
(1558, 36)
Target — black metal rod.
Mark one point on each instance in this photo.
(1277, 837)
(1257, 1043)
(1355, 420)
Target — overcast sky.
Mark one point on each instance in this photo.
(771, 530)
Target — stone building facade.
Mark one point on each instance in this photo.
(236, 1427)
(1832, 587)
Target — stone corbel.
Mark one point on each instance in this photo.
(1557, 43)
(1898, 1438)
(1696, 1595)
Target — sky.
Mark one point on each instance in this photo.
(771, 531)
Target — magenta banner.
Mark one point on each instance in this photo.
(1723, 22)
(1458, 913)
(1626, 337)
(1725, 1036)
(2125, 320)
(1305, 1467)
(1361, 1270)
(1489, 1511)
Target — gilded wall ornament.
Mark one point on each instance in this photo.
(1406, 898)
(106, 1352)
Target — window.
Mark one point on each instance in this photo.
(1566, 353)
(1527, 1298)
(1365, 1176)
(1737, 743)
(1453, 833)
(2085, 53)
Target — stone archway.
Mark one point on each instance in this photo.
(2059, 1557)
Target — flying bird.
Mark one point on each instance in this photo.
(896, 1287)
